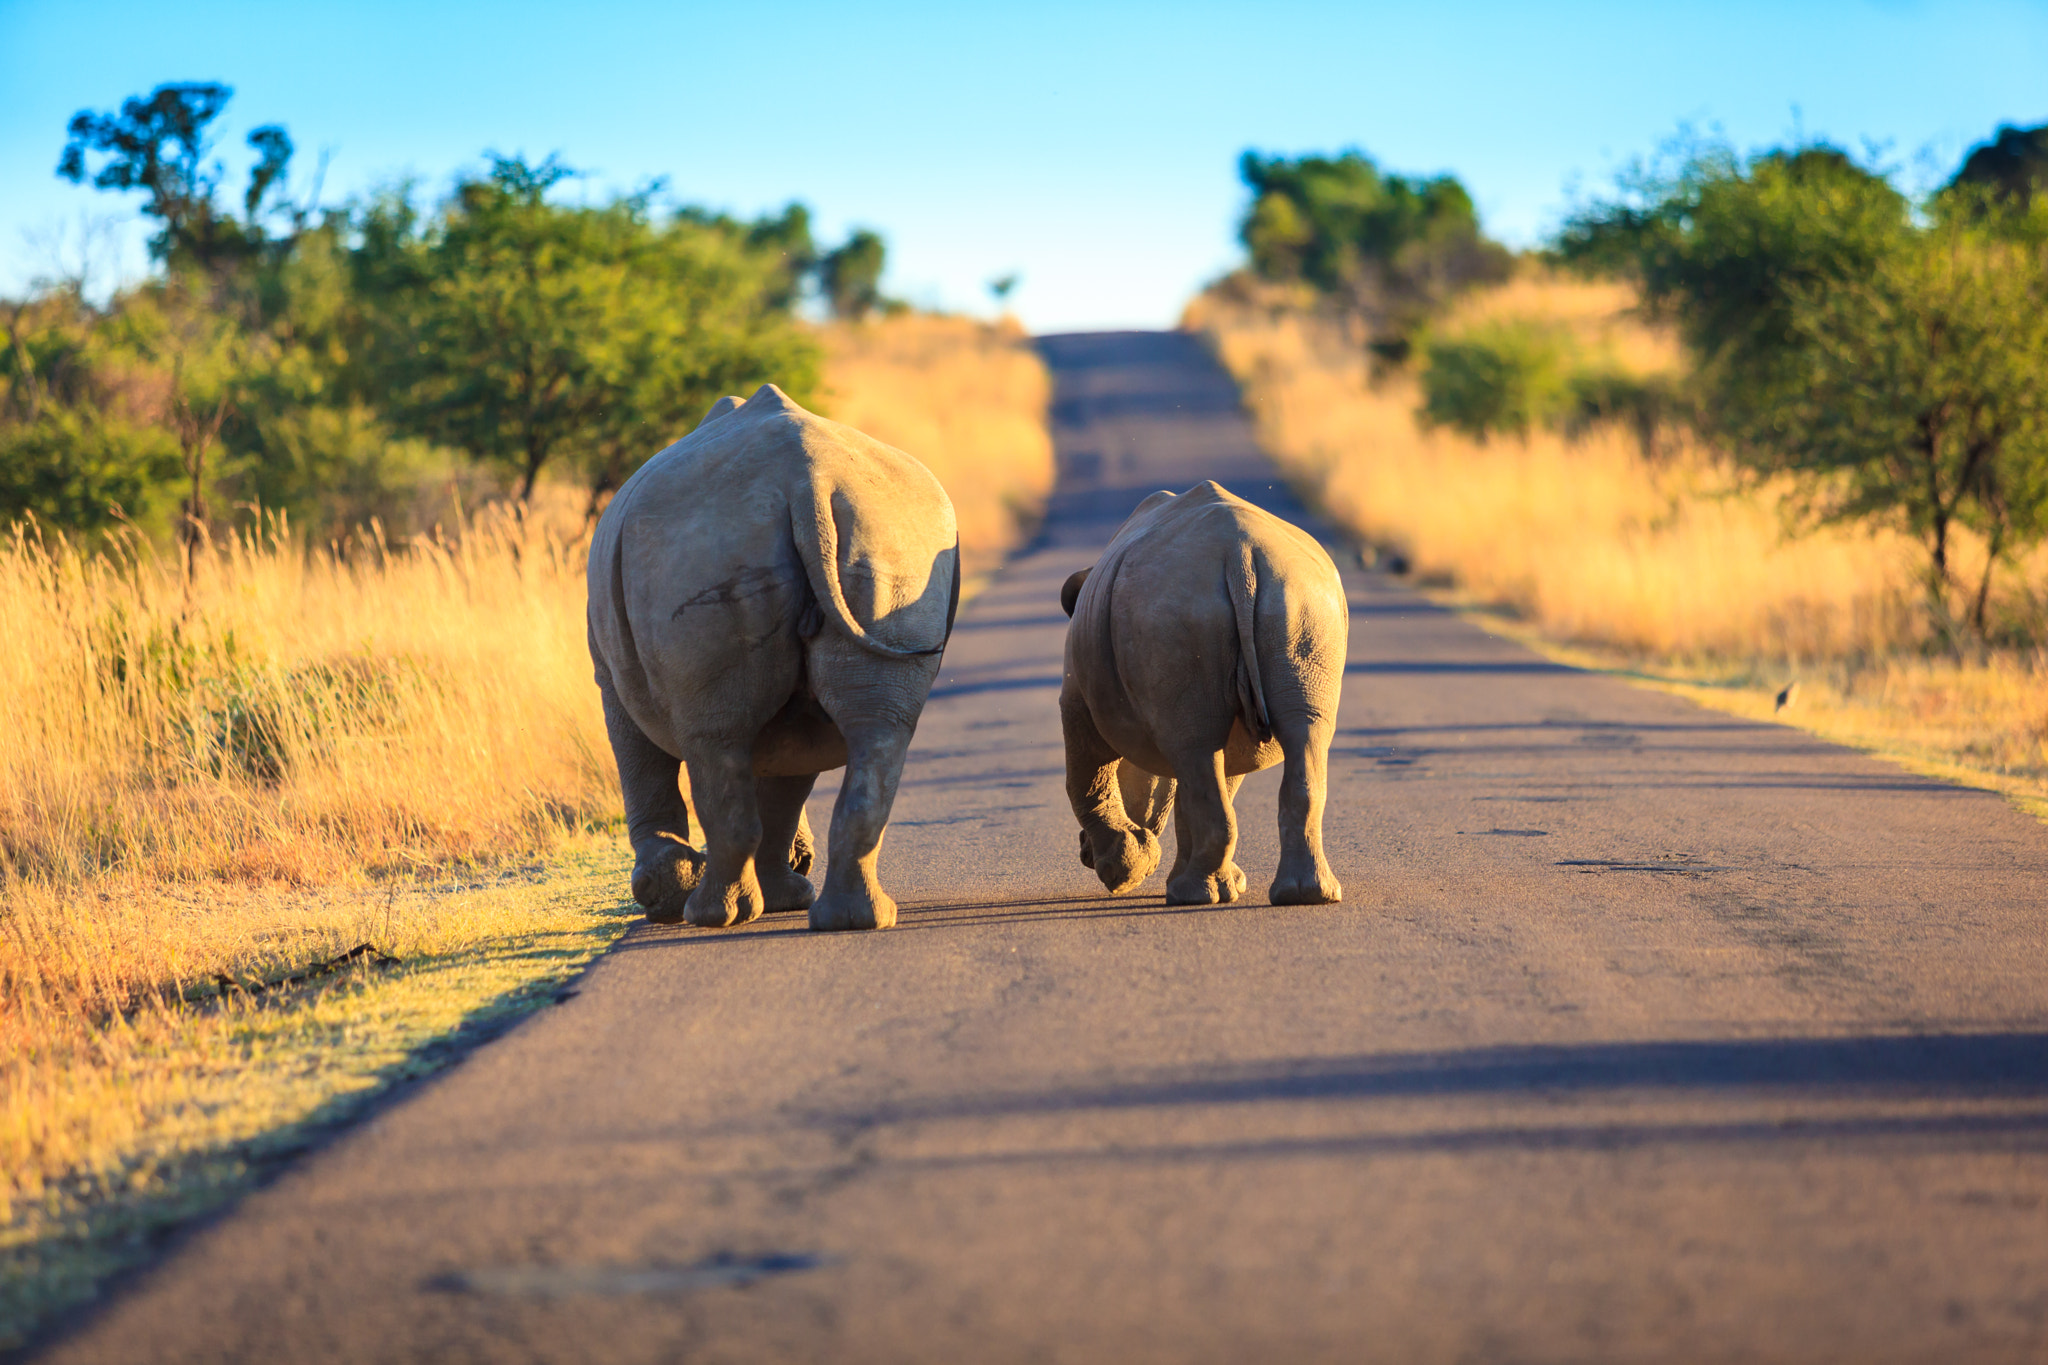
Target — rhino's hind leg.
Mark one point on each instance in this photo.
(1304, 876)
(785, 839)
(665, 868)
(1122, 853)
(722, 779)
(1148, 802)
(1205, 874)
(853, 896)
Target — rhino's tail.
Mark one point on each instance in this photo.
(817, 544)
(1242, 580)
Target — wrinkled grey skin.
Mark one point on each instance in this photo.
(769, 598)
(1207, 643)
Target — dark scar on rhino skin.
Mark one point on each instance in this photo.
(746, 583)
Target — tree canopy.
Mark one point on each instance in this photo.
(1392, 246)
(851, 276)
(591, 332)
(159, 145)
(2013, 164)
(338, 365)
(1895, 364)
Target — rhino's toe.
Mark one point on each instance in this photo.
(787, 891)
(1126, 858)
(1323, 890)
(720, 907)
(1190, 888)
(663, 884)
(670, 911)
(833, 912)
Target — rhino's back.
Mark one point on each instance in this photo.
(1155, 635)
(732, 482)
(701, 543)
(1170, 561)
(1209, 521)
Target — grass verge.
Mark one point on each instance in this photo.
(241, 766)
(1661, 566)
(1973, 724)
(179, 1107)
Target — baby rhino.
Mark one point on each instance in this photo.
(1207, 643)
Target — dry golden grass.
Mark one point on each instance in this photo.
(1982, 723)
(1601, 316)
(966, 398)
(121, 1125)
(186, 759)
(298, 750)
(1672, 566)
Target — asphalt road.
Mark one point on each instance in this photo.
(1644, 1034)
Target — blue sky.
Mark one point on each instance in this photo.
(1089, 147)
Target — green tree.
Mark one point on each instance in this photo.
(536, 330)
(1897, 368)
(1722, 249)
(82, 439)
(1508, 377)
(850, 276)
(342, 369)
(159, 145)
(784, 239)
(1924, 400)
(1395, 247)
(2013, 165)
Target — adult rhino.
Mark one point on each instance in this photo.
(1207, 642)
(769, 598)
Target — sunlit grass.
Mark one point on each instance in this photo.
(1670, 566)
(117, 1127)
(294, 749)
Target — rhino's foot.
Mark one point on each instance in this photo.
(862, 908)
(1125, 858)
(715, 907)
(662, 885)
(787, 891)
(1190, 888)
(1087, 852)
(1318, 889)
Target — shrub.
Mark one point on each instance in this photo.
(1507, 377)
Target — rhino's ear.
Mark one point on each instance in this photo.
(722, 407)
(1070, 592)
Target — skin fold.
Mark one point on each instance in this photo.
(769, 599)
(1207, 643)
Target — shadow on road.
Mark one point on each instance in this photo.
(1888, 1069)
(2008, 1132)
(1981, 1065)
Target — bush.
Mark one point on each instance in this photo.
(79, 470)
(1392, 247)
(1896, 366)
(1500, 378)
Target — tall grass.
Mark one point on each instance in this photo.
(191, 759)
(254, 763)
(1586, 537)
(1664, 559)
(293, 714)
